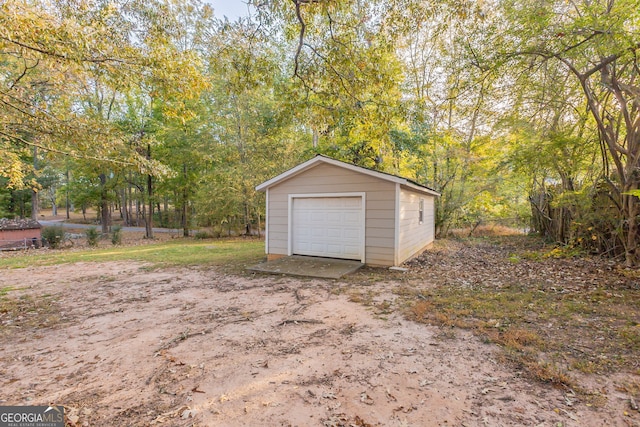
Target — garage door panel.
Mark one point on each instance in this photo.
(328, 226)
(351, 202)
(352, 251)
(334, 233)
(352, 234)
(334, 249)
(351, 218)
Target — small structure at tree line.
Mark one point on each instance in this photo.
(331, 209)
(20, 233)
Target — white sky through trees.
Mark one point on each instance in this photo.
(232, 9)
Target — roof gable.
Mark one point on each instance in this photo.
(320, 159)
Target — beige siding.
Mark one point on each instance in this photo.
(414, 237)
(325, 178)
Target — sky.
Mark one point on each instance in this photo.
(233, 9)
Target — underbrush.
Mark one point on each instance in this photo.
(485, 230)
(551, 315)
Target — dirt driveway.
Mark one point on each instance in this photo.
(122, 344)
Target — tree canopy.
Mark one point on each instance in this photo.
(518, 112)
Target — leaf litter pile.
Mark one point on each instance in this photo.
(559, 314)
(475, 333)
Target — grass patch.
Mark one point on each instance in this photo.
(232, 253)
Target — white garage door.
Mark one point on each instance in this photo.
(328, 227)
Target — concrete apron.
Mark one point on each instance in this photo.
(307, 266)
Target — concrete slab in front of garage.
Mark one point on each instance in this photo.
(307, 266)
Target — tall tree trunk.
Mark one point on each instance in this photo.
(625, 153)
(630, 214)
(124, 209)
(185, 203)
(54, 205)
(67, 203)
(165, 212)
(130, 197)
(149, 221)
(185, 222)
(105, 212)
(35, 207)
(247, 218)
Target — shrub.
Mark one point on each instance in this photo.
(53, 236)
(116, 235)
(92, 236)
(201, 235)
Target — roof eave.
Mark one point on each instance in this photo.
(421, 189)
(324, 159)
(288, 174)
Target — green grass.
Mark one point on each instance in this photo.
(234, 254)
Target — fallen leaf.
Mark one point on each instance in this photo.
(359, 422)
(391, 397)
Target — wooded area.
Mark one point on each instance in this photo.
(525, 113)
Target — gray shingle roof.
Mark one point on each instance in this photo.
(18, 224)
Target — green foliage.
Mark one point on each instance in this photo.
(116, 235)
(92, 236)
(162, 105)
(253, 134)
(53, 236)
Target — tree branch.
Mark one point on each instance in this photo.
(63, 56)
(66, 153)
(303, 28)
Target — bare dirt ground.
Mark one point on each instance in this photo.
(120, 344)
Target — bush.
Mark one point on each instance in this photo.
(92, 236)
(53, 236)
(201, 235)
(116, 235)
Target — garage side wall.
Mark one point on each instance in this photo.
(325, 178)
(415, 236)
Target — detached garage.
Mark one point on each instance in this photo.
(328, 208)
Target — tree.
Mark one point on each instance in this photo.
(345, 62)
(46, 54)
(253, 131)
(597, 44)
(64, 89)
